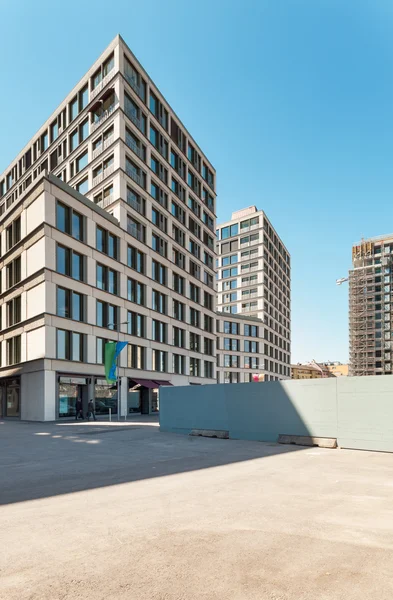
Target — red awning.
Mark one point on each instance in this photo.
(148, 383)
(151, 383)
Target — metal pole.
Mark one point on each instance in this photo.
(110, 414)
(118, 376)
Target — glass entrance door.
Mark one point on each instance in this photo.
(13, 397)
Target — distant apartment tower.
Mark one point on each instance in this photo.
(370, 307)
(138, 266)
(254, 280)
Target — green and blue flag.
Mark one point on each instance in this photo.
(112, 351)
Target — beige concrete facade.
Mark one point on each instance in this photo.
(115, 140)
(253, 271)
(240, 349)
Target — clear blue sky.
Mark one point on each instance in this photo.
(292, 100)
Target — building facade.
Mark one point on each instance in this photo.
(241, 350)
(337, 369)
(254, 280)
(146, 263)
(370, 302)
(311, 370)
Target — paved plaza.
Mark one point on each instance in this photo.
(122, 511)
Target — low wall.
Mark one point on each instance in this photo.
(358, 411)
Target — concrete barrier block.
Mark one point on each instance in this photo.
(307, 440)
(211, 433)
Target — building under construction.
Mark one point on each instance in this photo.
(370, 289)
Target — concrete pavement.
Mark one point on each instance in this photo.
(108, 511)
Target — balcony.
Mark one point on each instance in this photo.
(137, 206)
(102, 118)
(131, 80)
(134, 175)
(94, 93)
(132, 115)
(106, 201)
(103, 175)
(135, 232)
(106, 143)
(134, 146)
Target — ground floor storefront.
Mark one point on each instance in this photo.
(39, 394)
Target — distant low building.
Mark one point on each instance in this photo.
(314, 370)
(311, 370)
(337, 369)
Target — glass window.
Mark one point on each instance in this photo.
(153, 135)
(77, 306)
(76, 347)
(62, 346)
(84, 97)
(83, 186)
(73, 109)
(54, 131)
(77, 271)
(81, 161)
(63, 305)
(74, 140)
(63, 217)
(153, 104)
(77, 226)
(108, 65)
(63, 260)
(84, 131)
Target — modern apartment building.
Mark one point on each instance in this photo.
(107, 221)
(253, 280)
(370, 302)
(240, 349)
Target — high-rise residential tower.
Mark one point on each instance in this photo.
(107, 221)
(254, 280)
(370, 313)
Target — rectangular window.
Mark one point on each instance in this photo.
(82, 186)
(136, 229)
(195, 367)
(13, 271)
(107, 315)
(135, 356)
(135, 324)
(135, 259)
(179, 337)
(14, 350)
(14, 311)
(179, 310)
(70, 304)
(159, 220)
(69, 262)
(195, 342)
(159, 272)
(73, 109)
(107, 242)
(195, 317)
(178, 283)
(179, 364)
(195, 293)
(159, 245)
(69, 221)
(208, 369)
(160, 359)
(159, 302)
(159, 331)
(81, 161)
(13, 233)
(135, 291)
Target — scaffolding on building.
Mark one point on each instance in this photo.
(369, 324)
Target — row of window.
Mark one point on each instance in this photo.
(73, 346)
(160, 113)
(237, 376)
(77, 104)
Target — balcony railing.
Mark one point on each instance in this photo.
(106, 201)
(133, 145)
(134, 84)
(134, 175)
(133, 118)
(102, 118)
(105, 144)
(135, 232)
(102, 84)
(103, 175)
(137, 206)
